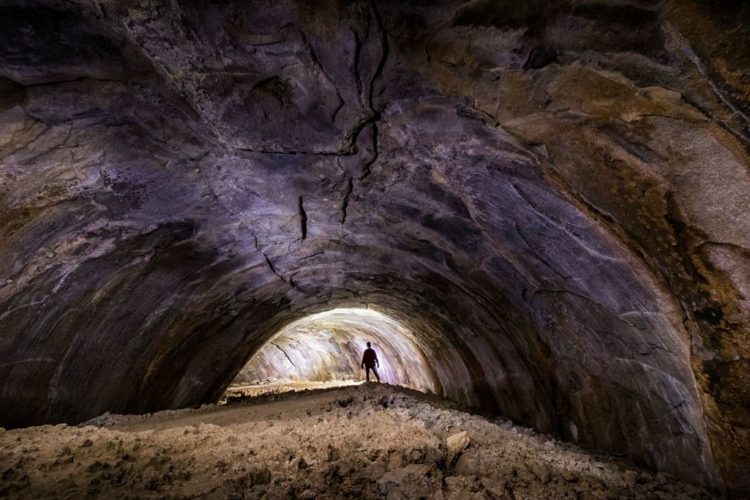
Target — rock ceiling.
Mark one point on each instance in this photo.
(553, 196)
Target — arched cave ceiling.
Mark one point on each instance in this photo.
(328, 347)
(553, 196)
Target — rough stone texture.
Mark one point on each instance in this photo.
(371, 441)
(553, 196)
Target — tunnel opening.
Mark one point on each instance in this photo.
(325, 350)
(527, 196)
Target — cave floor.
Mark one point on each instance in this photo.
(364, 441)
(238, 392)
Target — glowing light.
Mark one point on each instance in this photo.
(328, 346)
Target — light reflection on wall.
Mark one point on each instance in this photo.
(328, 346)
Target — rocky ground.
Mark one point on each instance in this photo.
(365, 441)
(238, 392)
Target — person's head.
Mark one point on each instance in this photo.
(369, 345)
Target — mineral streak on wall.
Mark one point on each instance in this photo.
(328, 347)
(553, 196)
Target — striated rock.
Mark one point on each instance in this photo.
(328, 347)
(552, 196)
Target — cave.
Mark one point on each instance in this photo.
(327, 347)
(546, 203)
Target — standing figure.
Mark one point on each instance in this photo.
(370, 361)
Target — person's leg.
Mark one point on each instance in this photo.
(376, 373)
(367, 372)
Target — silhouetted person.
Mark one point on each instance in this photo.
(369, 361)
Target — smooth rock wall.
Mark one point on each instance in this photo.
(553, 196)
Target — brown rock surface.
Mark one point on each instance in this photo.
(384, 443)
(554, 198)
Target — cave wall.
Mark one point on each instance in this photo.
(553, 196)
(328, 347)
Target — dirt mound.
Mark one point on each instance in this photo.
(360, 441)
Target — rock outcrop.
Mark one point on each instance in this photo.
(553, 196)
